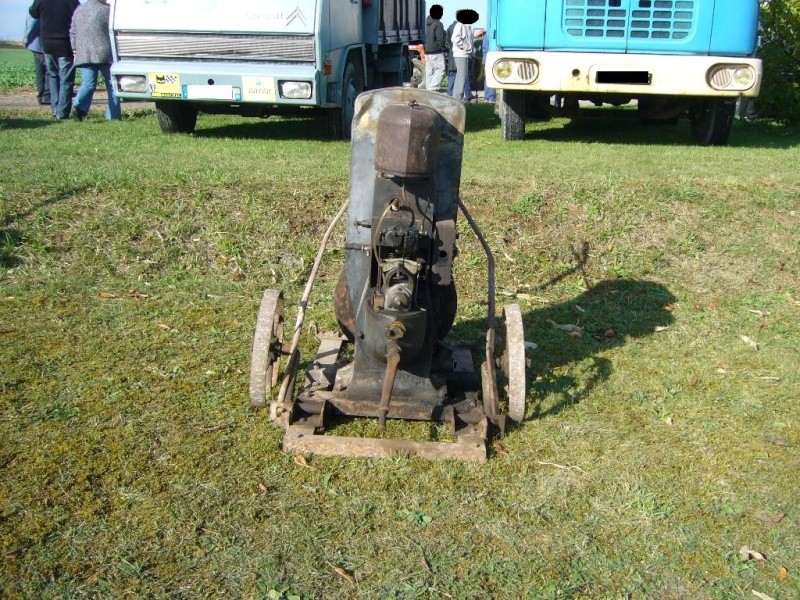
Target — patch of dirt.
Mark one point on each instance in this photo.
(21, 98)
(25, 99)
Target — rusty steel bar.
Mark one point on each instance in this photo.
(492, 407)
(294, 354)
(392, 361)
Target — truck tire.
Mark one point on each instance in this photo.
(712, 121)
(340, 119)
(176, 117)
(512, 115)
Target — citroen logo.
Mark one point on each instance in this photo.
(294, 15)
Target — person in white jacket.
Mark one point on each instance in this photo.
(462, 45)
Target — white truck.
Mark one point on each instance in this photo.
(260, 57)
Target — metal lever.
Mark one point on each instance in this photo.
(392, 360)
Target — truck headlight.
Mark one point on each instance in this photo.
(515, 70)
(297, 90)
(731, 77)
(132, 83)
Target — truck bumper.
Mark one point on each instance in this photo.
(625, 74)
(216, 83)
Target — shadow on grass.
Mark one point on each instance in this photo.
(10, 238)
(315, 127)
(598, 128)
(312, 128)
(481, 117)
(609, 314)
(7, 124)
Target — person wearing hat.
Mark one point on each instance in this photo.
(462, 41)
(92, 43)
(435, 48)
(489, 93)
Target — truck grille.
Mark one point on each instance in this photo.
(209, 46)
(654, 19)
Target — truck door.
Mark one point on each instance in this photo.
(520, 24)
(345, 23)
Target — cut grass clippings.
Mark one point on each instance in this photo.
(657, 443)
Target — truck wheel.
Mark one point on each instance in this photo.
(176, 117)
(712, 121)
(340, 119)
(512, 115)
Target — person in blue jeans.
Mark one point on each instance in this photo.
(489, 94)
(451, 66)
(55, 17)
(32, 42)
(90, 39)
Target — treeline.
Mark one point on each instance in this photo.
(780, 51)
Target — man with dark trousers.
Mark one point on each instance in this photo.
(33, 43)
(55, 18)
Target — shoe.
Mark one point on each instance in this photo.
(77, 113)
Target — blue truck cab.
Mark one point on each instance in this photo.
(260, 57)
(674, 58)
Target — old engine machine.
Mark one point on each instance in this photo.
(395, 301)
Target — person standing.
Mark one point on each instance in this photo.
(32, 41)
(90, 38)
(462, 42)
(435, 48)
(451, 65)
(489, 93)
(55, 17)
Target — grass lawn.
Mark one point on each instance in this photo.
(657, 444)
(17, 68)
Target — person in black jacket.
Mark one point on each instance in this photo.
(435, 49)
(55, 18)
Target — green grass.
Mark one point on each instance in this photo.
(16, 68)
(656, 445)
(17, 71)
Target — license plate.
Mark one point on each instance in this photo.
(164, 85)
(258, 89)
(212, 92)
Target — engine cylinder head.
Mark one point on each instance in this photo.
(407, 141)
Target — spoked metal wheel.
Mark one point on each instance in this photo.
(267, 345)
(512, 362)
